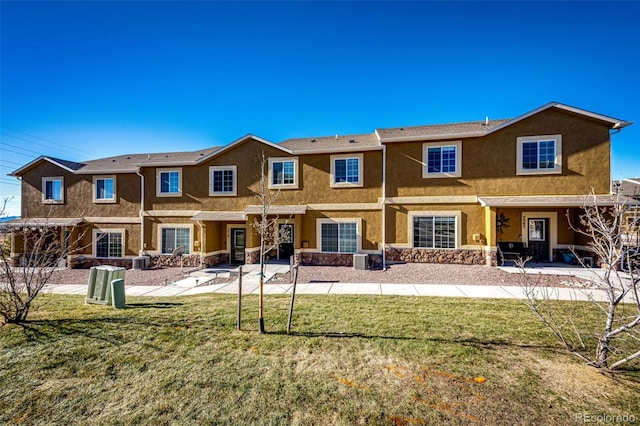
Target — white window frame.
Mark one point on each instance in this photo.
(95, 189)
(44, 189)
(425, 159)
(357, 221)
(558, 159)
(359, 183)
(175, 226)
(443, 213)
(158, 182)
(108, 231)
(231, 193)
(293, 185)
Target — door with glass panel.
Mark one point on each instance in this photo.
(238, 245)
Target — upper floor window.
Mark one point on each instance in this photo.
(338, 236)
(169, 182)
(442, 159)
(223, 180)
(539, 155)
(108, 243)
(53, 190)
(346, 170)
(283, 172)
(174, 237)
(104, 189)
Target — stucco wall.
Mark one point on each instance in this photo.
(313, 181)
(78, 195)
(489, 163)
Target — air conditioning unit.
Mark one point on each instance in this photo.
(360, 261)
(141, 262)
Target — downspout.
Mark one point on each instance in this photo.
(202, 242)
(384, 207)
(141, 211)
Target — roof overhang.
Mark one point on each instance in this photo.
(277, 209)
(44, 222)
(432, 137)
(240, 141)
(554, 201)
(614, 123)
(220, 216)
(337, 150)
(32, 163)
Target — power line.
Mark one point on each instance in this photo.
(57, 144)
(24, 149)
(19, 153)
(10, 162)
(57, 148)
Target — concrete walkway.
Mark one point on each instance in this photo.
(196, 284)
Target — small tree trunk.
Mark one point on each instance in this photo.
(261, 284)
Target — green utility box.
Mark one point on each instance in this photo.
(100, 287)
(117, 294)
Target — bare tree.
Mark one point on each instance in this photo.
(613, 234)
(45, 247)
(266, 226)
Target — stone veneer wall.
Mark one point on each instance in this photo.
(413, 255)
(216, 259)
(328, 259)
(164, 261)
(89, 262)
(254, 256)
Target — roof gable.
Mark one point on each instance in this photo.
(240, 141)
(70, 166)
(482, 128)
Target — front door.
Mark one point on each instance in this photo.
(538, 229)
(285, 248)
(237, 246)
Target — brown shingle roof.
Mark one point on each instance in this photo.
(439, 130)
(331, 143)
(131, 162)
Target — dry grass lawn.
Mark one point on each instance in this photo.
(351, 360)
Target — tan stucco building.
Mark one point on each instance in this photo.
(438, 193)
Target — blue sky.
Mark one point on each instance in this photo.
(81, 80)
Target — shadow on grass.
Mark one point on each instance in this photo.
(478, 343)
(156, 305)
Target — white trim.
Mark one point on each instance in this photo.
(557, 169)
(356, 220)
(359, 183)
(337, 150)
(439, 213)
(44, 189)
(345, 206)
(293, 185)
(97, 200)
(234, 191)
(613, 122)
(175, 225)
(33, 162)
(158, 182)
(552, 232)
(238, 142)
(446, 199)
(107, 219)
(170, 213)
(425, 147)
(94, 241)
